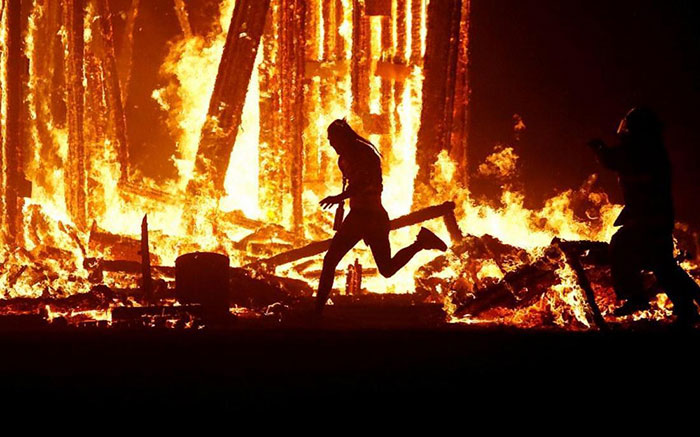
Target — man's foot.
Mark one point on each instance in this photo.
(429, 240)
(631, 306)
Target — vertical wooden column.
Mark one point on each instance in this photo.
(360, 65)
(75, 180)
(416, 15)
(316, 89)
(399, 56)
(127, 47)
(10, 178)
(460, 119)
(292, 59)
(273, 159)
(226, 104)
(384, 125)
(339, 40)
(113, 88)
(440, 65)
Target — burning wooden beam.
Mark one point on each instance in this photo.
(113, 87)
(226, 104)
(573, 250)
(10, 159)
(318, 247)
(127, 49)
(292, 59)
(360, 59)
(146, 281)
(440, 70)
(74, 169)
(460, 117)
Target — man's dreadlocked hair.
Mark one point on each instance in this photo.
(342, 129)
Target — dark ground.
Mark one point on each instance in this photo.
(234, 369)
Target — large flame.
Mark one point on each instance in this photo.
(50, 259)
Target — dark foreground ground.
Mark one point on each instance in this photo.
(306, 369)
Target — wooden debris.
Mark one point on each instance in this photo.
(573, 251)
(517, 289)
(113, 245)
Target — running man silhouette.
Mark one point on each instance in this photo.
(645, 240)
(360, 163)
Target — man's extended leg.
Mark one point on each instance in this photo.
(388, 266)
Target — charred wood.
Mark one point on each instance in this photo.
(460, 117)
(292, 58)
(146, 281)
(113, 88)
(440, 65)
(75, 168)
(10, 161)
(573, 254)
(126, 49)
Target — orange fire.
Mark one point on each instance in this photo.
(49, 258)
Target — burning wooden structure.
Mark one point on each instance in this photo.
(237, 106)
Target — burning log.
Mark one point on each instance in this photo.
(517, 289)
(321, 246)
(132, 189)
(441, 53)
(460, 117)
(238, 218)
(573, 251)
(113, 88)
(10, 161)
(146, 286)
(127, 47)
(97, 267)
(292, 48)
(117, 246)
(360, 58)
(226, 104)
(75, 171)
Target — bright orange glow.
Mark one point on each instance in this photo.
(50, 260)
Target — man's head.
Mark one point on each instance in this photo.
(640, 122)
(340, 135)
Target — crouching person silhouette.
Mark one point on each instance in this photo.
(360, 163)
(645, 240)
